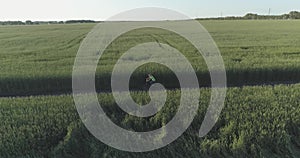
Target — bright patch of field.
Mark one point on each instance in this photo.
(39, 59)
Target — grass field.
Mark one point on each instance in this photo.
(257, 121)
(39, 59)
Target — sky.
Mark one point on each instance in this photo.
(44, 10)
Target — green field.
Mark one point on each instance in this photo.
(39, 59)
(257, 121)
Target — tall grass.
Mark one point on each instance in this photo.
(255, 122)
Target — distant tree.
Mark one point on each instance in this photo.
(12, 23)
(294, 15)
(28, 22)
(285, 16)
(251, 16)
(79, 21)
(36, 23)
(52, 22)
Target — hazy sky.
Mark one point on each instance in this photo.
(103, 9)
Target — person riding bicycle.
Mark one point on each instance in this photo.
(150, 79)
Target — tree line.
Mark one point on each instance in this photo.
(252, 16)
(29, 22)
(249, 16)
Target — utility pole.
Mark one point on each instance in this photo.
(222, 16)
(269, 11)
